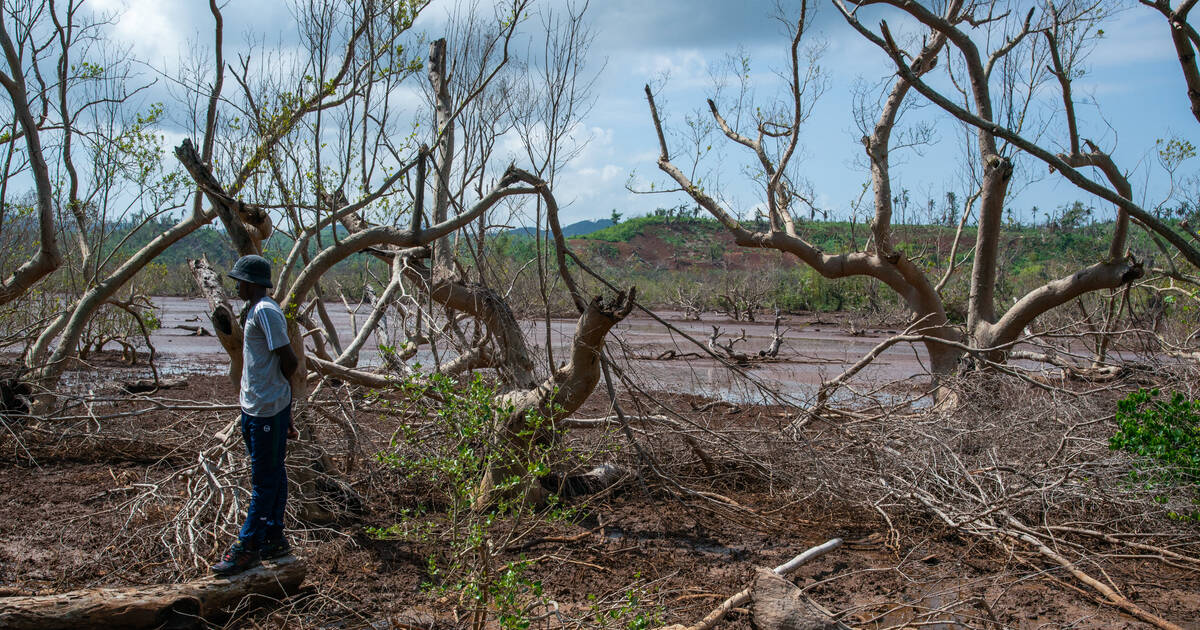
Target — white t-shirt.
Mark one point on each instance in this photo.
(265, 392)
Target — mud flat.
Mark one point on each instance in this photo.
(816, 347)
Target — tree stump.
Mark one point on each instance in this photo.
(183, 605)
(779, 605)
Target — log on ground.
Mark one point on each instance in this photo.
(158, 606)
(779, 605)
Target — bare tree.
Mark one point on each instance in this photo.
(1186, 41)
(774, 142)
(23, 54)
(996, 86)
(94, 161)
(387, 220)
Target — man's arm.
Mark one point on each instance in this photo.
(287, 360)
(288, 364)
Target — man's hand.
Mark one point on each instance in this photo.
(292, 433)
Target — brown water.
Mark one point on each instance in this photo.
(813, 350)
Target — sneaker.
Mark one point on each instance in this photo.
(236, 560)
(274, 549)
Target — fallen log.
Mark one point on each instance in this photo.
(197, 331)
(183, 605)
(744, 597)
(779, 605)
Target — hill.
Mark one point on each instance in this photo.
(678, 259)
(579, 228)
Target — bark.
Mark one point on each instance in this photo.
(248, 226)
(556, 398)
(981, 305)
(221, 315)
(442, 251)
(1094, 278)
(183, 605)
(776, 604)
(1184, 36)
(350, 375)
(48, 258)
(877, 144)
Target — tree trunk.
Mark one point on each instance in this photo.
(556, 398)
(222, 316)
(183, 605)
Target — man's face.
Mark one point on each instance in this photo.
(243, 290)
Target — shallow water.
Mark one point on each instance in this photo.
(812, 351)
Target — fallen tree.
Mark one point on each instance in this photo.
(184, 605)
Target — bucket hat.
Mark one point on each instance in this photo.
(253, 269)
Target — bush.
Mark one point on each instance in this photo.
(447, 457)
(1167, 431)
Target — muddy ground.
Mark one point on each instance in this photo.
(638, 555)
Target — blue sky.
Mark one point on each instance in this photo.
(1133, 78)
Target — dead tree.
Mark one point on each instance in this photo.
(991, 132)
(17, 54)
(690, 302)
(882, 262)
(1186, 41)
(726, 349)
(772, 349)
(774, 140)
(57, 343)
(422, 262)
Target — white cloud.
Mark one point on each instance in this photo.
(683, 66)
(149, 27)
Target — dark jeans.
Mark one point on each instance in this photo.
(266, 441)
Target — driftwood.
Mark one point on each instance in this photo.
(744, 597)
(197, 331)
(183, 605)
(779, 605)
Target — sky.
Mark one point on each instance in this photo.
(1134, 95)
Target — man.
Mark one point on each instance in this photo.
(268, 363)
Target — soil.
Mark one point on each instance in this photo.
(66, 523)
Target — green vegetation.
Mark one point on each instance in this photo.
(1165, 430)
(448, 461)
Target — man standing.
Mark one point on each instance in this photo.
(268, 363)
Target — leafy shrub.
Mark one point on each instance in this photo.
(448, 455)
(1165, 430)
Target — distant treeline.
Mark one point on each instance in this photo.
(679, 256)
